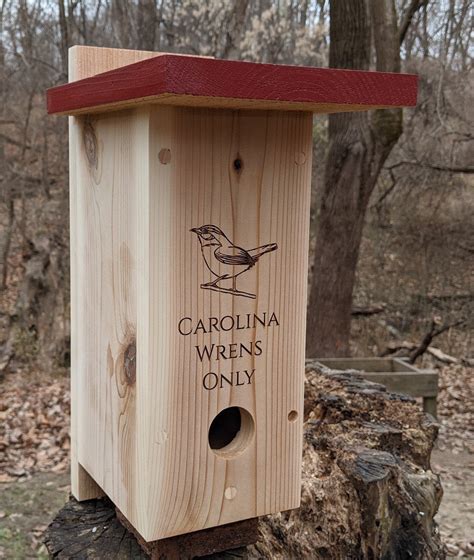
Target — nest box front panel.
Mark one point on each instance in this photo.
(189, 248)
(220, 355)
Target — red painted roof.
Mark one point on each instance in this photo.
(187, 80)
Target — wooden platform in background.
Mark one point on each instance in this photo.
(395, 373)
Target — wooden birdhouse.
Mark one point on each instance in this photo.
(190, 194)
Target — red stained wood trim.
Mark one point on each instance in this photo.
(186, 80)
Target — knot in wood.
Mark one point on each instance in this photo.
(238, 164)
(90, 144)
(130, 362)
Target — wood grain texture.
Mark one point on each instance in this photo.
(395, 374)
(216, 543)
(265, 201)
(140, 181)
(188, 80)
(83, 154)
(420, 384)
(109, 158)
(368, 364)
(96, 530)
(85, 62)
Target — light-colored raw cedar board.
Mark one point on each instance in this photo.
(206, 82)
(140, 179)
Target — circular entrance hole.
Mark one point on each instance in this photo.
(231, 432)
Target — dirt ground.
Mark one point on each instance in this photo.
(26, 508)
(456, 513)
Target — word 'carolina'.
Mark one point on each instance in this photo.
(187, 326)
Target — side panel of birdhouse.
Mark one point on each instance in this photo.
(222, 339)
(108, 165)
(109, 176)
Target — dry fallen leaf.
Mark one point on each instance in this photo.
(34, 434)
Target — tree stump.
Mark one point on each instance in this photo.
(368, 492)
(95, 530)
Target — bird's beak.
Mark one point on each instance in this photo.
(195, 230)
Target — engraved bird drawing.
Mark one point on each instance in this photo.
(225, 260)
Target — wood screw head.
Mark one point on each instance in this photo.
(300, 158)
(292, 416)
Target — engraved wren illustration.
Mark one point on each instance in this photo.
(225, 260)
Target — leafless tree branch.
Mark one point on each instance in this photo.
(414, 6)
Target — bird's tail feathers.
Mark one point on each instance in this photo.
(259, 251)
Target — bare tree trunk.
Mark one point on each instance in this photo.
(6, 198)
(339, 228)
(5, 241)
(64, 35)
(38, 329)
(122, 20)
(359, 144)
(235, 29)
(147, 24)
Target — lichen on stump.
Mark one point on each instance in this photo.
(367, 493)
